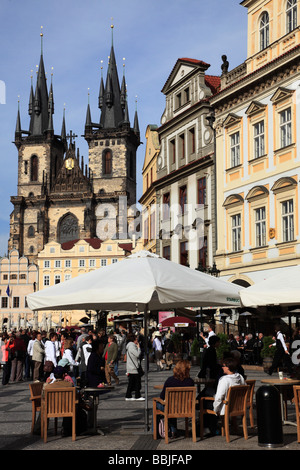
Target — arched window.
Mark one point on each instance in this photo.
(68, 229)
(264, 31)
(34, 168)
(107, 162)
(291, 15)
(31, 232)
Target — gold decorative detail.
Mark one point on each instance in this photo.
(272, 232)
(69, 163)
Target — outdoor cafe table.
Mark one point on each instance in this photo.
(94, 392)
(281, 384)
(197, 380)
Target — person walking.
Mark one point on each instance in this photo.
(50, 355)
(133, 369)
(18, 361)
(282, 354)
(7, 354)
(38, 353)
(110, 355)
(157, 348)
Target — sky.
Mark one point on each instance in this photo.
(77, 35)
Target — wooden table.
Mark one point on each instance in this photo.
(92, 414)
(280, 384)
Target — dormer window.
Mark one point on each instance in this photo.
(178, 100)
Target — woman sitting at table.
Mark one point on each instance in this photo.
(95, 373)
(181, 378)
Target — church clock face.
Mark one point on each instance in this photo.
(69, 163)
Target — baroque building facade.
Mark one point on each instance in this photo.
(185, 180)
(257, 115)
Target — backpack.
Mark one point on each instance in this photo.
(161, 427)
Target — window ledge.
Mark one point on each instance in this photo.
(234, 167)
(284, 148)
(290, 242)
(261, 157)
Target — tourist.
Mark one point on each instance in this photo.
(110, 355)
(7, 354)
(133, 368)
(157, 348)
(95, 373)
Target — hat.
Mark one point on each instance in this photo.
(157, 333)
(63, 362)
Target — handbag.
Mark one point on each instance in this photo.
(48, 366)
(141, 371)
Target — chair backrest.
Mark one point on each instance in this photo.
(60, 402)
(251, 384)
(237, 400)
(296, 389)
(180, 401)
(35, 390)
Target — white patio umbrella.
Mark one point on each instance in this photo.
(282, 288)
(142, 281)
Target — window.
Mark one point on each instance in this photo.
(114, 260)
(67, 277)
(103, 262)
(260, 227)
(107, 162)
(81, 249)
(146, 231)
(92, 263)
(181, 146)
(4, 302)
(82, 263)
(191, 134)
(291, 15)
(46, 280)
(5, 277)
(46, 264)
(57, 263)
(235, 149)
(184, 256)
(264, 31)
(288, 220)
(57, 279)
(23, 276)
(187, 95)
(173, 151)
(166, 206)
(285, 128)
(167, 252)
(109, 248)
(236, 232)
(178, 100)
(31, 231)
(202, 191)
(16, 302)
(259, 139)
(67, 263)
(34, 168)
(203, 252)
(152, 225)
(52, 249)
(13, 276)
(182, 198)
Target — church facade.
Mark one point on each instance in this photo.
(59, 198)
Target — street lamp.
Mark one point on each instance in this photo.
(214, 271)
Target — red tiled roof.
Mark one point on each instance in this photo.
(194, 61)
(214, 83)
(93, 242)
(126, 246)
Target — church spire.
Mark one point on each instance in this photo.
(39, 117)
(88, 120)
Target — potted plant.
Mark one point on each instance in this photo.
(224, 346)
(195, 353)
(267, 353)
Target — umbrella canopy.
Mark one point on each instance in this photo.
(279, 289)
(142, 279)
(177, 322)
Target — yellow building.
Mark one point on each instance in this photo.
(61, 262)
(257, 114)
(148, 199)
(18, 278)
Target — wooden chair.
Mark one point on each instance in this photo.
(180, 402)
(58, 403)
(296, 389)
(235, 405)
(251, 384)
(35, 397)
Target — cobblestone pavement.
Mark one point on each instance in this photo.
(122, 422)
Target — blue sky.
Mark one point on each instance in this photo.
(151, 35)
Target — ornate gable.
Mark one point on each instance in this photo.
(255, 107)
(281, 93)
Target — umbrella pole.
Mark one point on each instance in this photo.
(146, 367)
